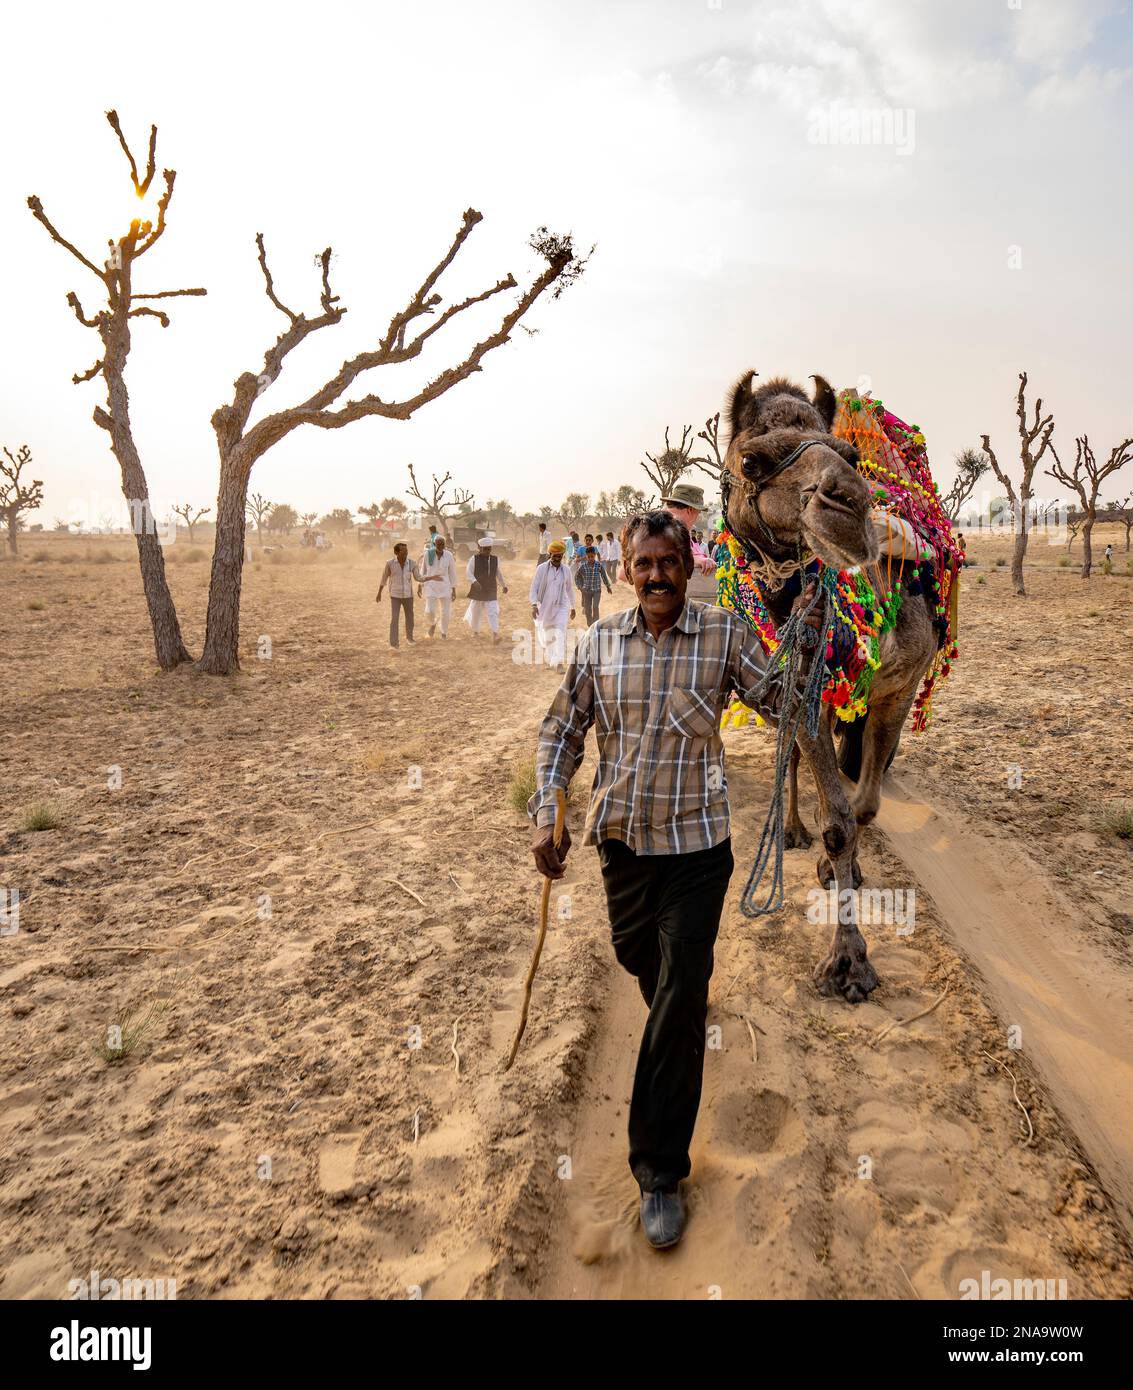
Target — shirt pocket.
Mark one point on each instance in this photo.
(691, 714)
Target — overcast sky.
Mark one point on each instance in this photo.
(704, 146)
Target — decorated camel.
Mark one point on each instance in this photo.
(829, 500)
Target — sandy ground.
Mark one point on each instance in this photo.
(276, 1132)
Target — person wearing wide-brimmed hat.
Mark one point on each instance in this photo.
(685, 501)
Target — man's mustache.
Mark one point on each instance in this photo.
(660, 589)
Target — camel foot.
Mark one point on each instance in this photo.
(826, 877)
(797, 836)
(847, 972)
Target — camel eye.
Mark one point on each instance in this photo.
(749, 465)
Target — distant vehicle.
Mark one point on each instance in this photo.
(465, 542)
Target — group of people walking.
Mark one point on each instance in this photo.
(434, 577)
(570, 574)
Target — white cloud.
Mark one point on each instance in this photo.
(1065, 91)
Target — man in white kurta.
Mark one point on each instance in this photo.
(438, 601)
(552, 605)
(487, 579)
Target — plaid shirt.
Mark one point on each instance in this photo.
(660, 785)
(590, 578)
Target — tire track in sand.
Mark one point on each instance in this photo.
(1072, 1003)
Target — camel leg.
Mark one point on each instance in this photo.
(796, 836)
(846, 971)
(882, 732)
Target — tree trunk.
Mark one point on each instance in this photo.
(221, 655)
(171, 650)
(1087, 553)
(1022, 535)
(12, 531)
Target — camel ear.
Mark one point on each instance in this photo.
(825, 401)
(739, 401)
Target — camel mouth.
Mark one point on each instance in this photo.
(837, 532)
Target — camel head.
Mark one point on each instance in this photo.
(780, 492)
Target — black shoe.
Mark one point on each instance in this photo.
(663, 1217)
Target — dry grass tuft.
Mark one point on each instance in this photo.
(43, 815)
(129, 1030)
(1117, 820)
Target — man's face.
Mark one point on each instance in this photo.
(656, 569)
(556, 558)
(401, 551)
(440, 545)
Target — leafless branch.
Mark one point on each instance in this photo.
(139, 188)
(163, 203)
(283, 309)
(40, 216)
(154, 313)
(167, 294)
(89, 374)
(73, 301)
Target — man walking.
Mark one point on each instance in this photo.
(613, 556)
(544, 543)
(653, 682)
(401, 573)
(551, 598)
(438, 601)
(487, 580)
(590, 576)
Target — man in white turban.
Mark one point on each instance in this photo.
(487, 579)
(552, 596)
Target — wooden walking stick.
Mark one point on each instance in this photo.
(544, 906)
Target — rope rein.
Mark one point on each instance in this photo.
(801, 706)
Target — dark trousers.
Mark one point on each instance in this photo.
(395, 607)
(590, 601)
(664, 916)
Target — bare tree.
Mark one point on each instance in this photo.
(112, 323)
(1040, 429)
(675, 460)
(1124, 512)
(714, 463)
(257, 507)
(1086, 477)
(308, 519)
(970, 466)
(241, 444)
(16, 496)
(437, 505)
(185, 511)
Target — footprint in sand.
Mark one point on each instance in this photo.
(337, 1160)
(756, 1122)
